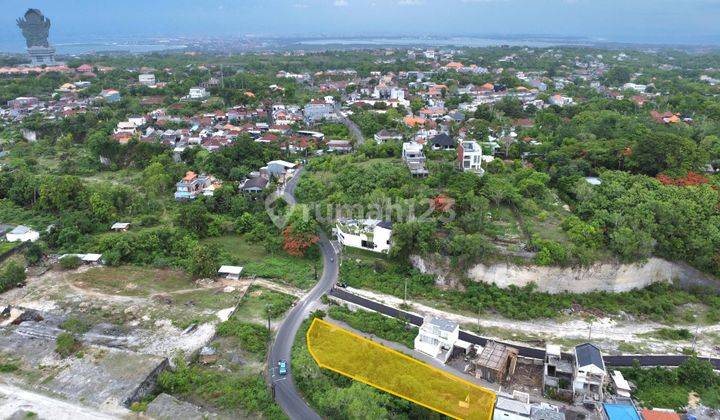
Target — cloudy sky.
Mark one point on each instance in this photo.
(661, 21)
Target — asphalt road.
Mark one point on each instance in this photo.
(354, 131)
(286, 394)
(531, 352)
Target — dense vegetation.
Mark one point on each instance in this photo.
(391, 329)
(336, 396)
(224, 391)
(658, 387)
(659, 302)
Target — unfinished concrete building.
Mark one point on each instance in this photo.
(558, 374)
(496, 362)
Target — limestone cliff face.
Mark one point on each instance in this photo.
(610, 277)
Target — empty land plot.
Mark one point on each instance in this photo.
(132, 281)
(364, 360)
(258, 302)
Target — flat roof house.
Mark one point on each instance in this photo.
(369, 234)
(470, 157)
(414, 158)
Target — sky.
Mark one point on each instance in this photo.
(655, 21)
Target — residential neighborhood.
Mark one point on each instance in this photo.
(360, 210)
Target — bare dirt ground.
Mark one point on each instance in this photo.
(613, 335)
(14, 399)
(143, 322)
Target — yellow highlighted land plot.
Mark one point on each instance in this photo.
(366, 361)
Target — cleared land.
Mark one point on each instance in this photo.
(363, 360)
(257, 262)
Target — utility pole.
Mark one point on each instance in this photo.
(269, 334)
(405, 291)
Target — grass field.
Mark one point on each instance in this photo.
(257, 262)
(257, 300)
(132, 281)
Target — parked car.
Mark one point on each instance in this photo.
(282, 367)
(343, 285)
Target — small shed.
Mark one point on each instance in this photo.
(120, 227)
(230, 272)
(208, 355)
(22, 234)
(495, 362)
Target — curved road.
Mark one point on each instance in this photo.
(286, 394)
(354, 130)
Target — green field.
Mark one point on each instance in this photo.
(132, 281)
(257, 301)
(257, 262)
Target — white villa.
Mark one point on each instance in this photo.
(369, 234)
(471, 157)
(437, 337)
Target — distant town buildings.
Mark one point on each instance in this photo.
(147, 79)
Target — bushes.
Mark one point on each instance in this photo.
(75, 326)
(674, 334)
(658, 301)
(13, 275)
(669, 388)
(252, 337)
(370, 322)
(70, 262)
(66, 344)
(225, 390)
(549, 252)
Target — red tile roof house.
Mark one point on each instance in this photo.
(85, 68)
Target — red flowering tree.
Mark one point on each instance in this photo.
(301, 232)
(691, 179)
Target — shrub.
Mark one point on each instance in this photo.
(8, 367)
(74, 325)
(13, 275)
(66, 344)
(139, 407)
(252, 337)
(70, 262)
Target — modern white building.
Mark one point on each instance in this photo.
(198, 93)
(369, 234)
(470, 157)
(147, 79)
(22, 234)
(437, 337)
(589, 373)
(414, 158)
